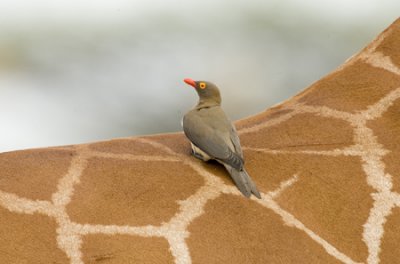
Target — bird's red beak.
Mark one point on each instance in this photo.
(190, 82)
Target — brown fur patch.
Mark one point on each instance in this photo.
(177, 142)
(39, 170)
(114, 191)
(117, 249)
(28, 239)
(302, 131)
(346, 90)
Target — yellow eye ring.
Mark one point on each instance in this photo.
(203, 85)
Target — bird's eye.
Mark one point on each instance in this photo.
(202, 85)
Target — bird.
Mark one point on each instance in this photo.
(214, 137)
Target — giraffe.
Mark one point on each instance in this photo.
(325, 161)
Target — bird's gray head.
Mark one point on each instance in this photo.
(208, 92)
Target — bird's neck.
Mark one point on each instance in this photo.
(207, 103)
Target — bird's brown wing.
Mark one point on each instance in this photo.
(209, 130)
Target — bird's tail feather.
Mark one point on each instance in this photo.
(252, 185)
(243, 181)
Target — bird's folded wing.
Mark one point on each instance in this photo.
(211, 141)
(235, 141)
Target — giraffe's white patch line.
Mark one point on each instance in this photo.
(145, 231)
(268, 123)
(66, 184)
(190, 209)
(132, 156)
(374, 169)
(157, 145)
(21, 205)
(379, 60)
(374, 227)
(396, 199)
(67, 239)
(372, 162)
(324, 111)
(348, 151)
(70, 243)
(283, 186)
(376, 110)
(179, 248)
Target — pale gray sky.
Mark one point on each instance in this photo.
(340, 11)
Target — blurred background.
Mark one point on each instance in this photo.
(81, 71)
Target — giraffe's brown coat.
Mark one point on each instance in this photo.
(302, 131)
(26, 239)
(351, 89)
(177, 142)
(119, 249)
(123, 192)
(38, 169)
